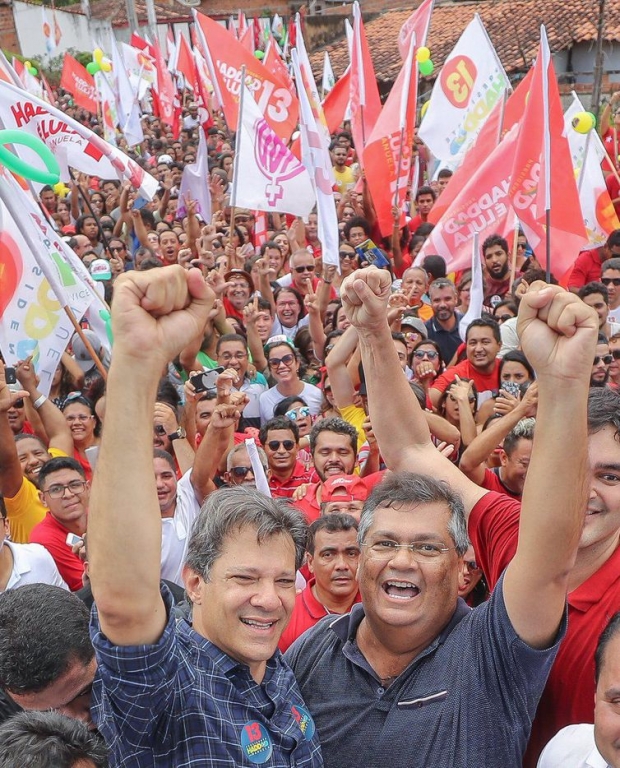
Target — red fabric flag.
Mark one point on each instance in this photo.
(363, 91)
(202, 93)
(137, 42)
(163, 97)
(79, 83)
(542, 172)
(273, 62)
(272, 93)
(418, 22)
(388, 151)
(491, 134)
(185, 63)
(247, 38)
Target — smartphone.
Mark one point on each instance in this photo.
(205, 381)
(11, 379)
(139, 202)
(512, 388)
(72, 539)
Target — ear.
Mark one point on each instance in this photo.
(461, 576)
(193, 584)
(503, 457)
(42, 499)
(310, 562)
(226, 477)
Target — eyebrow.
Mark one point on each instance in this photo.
(612, 693)
(604, 465)
(415, 537)
(249, 571)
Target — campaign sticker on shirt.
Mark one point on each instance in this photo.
(305, 721)
(256, 742)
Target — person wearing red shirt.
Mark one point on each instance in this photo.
(65, 491)
(240, 288)
(609, 132)
(424, 200)
(280, 440)
(332, 557)
(588, 265)
(483, 342)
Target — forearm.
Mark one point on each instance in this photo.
(10, 468)
(323, 295)
(442, 429)
(212, 450)
(123, 510)
(317, 334)
(255, 345)
(76, 373)
(266, 292)
(184, 454)
(343, 389)
(54, 424)
(163, 204)
(140, 231)
(486, 442)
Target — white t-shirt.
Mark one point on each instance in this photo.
(268, 400)
(277, 329)
(176, 530)
(32, 564)
(572, 747)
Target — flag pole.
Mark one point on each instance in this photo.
(544, 52)
(583, 162)
(513, 258)
(89, 347)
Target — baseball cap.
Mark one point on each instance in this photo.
(240, 273)
(82, 355)
(344, 488)
(100, 269)
(165, 159)
(416, 323)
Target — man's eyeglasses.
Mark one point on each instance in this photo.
(274, 445)
(57, 491)
(421, 550)
(18, 403)
(431, 354)
(610, 280)
(276, 362)
(228, 356)
(307, 268)
(240, 472)
(605, 359)
(117, 248)
(300, 413)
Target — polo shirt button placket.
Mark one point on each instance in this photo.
(380, 691)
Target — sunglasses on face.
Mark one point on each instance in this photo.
(19, 403)
(276, 362)
(117, 248)
(303, 412)
(503, 318)
(300, 270)
(346, 255)
(420, 354)
(159, 429)
(605, 359)
(274, 445)
(611, 280)
(240, 472)
(615, 353)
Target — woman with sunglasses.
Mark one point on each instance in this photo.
(283, 363)
(85, 427)
(297, 410)
(426, 363)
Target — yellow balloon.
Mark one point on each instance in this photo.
(583, 122)
(61, 189)
(98, 55)
(106, 66)
(424, 109)
(27, 64)
(422, 54)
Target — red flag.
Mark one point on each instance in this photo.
(273, 62)
(137, 42)
(387, 154)
(247, 38)
(363, 92)
(418, 22)
(260, 229)
(481, 205)
(79, 83)
(202, 93)
(335, 103)
(542, 172)
(493, 131)
(225, 57)
(185, 63)
(163, 97)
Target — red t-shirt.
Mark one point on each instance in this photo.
(586, 269)
(485, 382)
(284, 489)
(613, 187)
(611, 140)
(53, 536)
(568, 697)
(310, 506)
(492, 482)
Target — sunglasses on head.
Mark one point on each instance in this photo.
(605, 359)
(240, 471)
(273, 445)
(610, 280)
(307, 268)
(276, 362)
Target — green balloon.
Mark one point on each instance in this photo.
(33, 71)
(426, 67)
(92, 67)
(259, 55)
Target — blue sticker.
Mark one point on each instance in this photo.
(256, 742)
(304, 720)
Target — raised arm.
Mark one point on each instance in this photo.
(397, 419)
(336, 362)
(558, 334)
(10, 468)
(154, 313)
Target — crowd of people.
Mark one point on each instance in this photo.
(299, 514)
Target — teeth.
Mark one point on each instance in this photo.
(401, 584)
(260, 624)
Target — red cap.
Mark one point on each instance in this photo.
(344, 488)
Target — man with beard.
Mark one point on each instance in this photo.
(443, 327)
(497, 280)
(333, 445)
(602, 361)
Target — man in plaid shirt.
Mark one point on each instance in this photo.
(168, 692)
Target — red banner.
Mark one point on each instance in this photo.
(272, 93)
(363, 92)
(79, 83)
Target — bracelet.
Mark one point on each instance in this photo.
(39, 402)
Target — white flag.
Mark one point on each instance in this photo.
(71, 142)
(472, 80)
(126, 101)
(328, 75)
(587, 153)
(141, 69)
(270, 177)
(37, 283)
(476, 296)
(195, 183)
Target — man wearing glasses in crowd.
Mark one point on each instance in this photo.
(428, 681)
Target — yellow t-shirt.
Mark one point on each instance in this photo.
(25, 509)
(356, 417)
(345, 179)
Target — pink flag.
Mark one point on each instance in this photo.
(418, 23)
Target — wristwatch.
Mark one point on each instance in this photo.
(178, 434)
